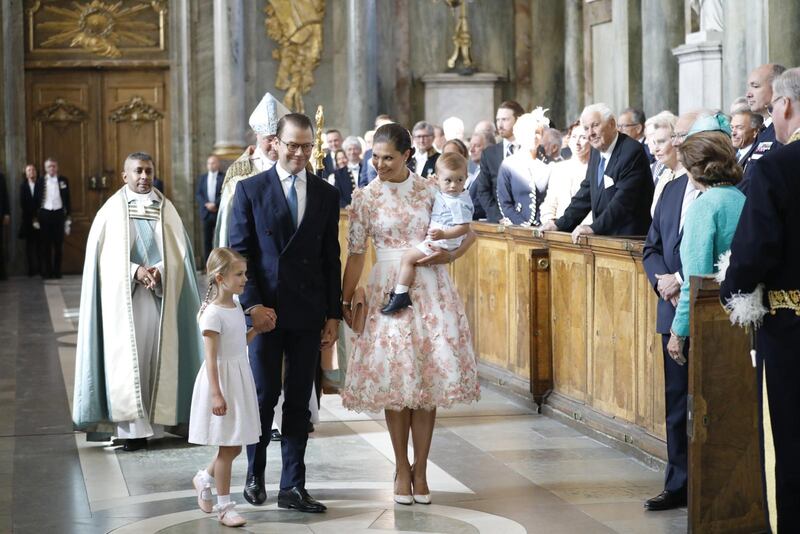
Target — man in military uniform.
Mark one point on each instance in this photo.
(264, 122)
(765, 255)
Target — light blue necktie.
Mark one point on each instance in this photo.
(291, 199)
(601, 169)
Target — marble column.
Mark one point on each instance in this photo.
(12, 137)
(573, 60)
(547, 49)
(229, 78)
(361, 65)
(663, 30)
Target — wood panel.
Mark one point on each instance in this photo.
(493, 290)
(724, 462)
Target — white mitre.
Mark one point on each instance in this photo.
(264, 119)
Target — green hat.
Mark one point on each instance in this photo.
(711, 123)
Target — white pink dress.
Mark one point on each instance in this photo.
(422, 356)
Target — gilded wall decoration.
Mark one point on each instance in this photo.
(61, 111)
(136, 111)
(105, 29)
(296, 26)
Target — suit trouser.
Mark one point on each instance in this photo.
(52, 234)
(676, 391)
(33, 252)
(266, 353)
(208, 237)
(782, 362)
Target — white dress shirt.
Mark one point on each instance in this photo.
(742, 152)
(607, 154)
(211, 186)
(32, 186)
(52, 198)
(422, 158)
(300, 187)
(689, 196)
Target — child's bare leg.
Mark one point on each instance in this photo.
(222, 468)
(408, 265)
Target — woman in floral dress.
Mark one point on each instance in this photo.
(415, 361)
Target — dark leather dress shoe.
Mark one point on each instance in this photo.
(275, 435)
(666, 500)
(310, 427)
(134, 444)
(397, 302)
(299, 499)
(254, 491)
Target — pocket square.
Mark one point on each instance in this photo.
(607, 181)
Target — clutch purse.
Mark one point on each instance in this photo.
(358, 308)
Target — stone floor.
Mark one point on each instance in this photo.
(496, 467)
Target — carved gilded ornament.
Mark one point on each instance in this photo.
(61, 111)
(98, 27)
(318, 155)
(136, 111)
(296, 27)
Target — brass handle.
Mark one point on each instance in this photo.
(104, 182)
(93, 182)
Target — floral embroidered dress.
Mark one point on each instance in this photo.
(421, 357)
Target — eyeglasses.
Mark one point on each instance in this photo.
(294, 147)
(772, 104)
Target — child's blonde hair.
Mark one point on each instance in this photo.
(452, 161)
(219, 262)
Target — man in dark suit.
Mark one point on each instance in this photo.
(632, 123)
(479, 141)
(745, 125)
(423, 162)
(346, 178)
(209, 191)
(662, 263)
(765, 254)
(333, 138)
(618, 188)
(30, 198)
(507, 115)
(759, 98)
(53, 213)
(285, 221)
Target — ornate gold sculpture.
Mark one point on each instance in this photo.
(461, 37)
(98, 26)
(61, 111)
(296, 26)
(318, 155)
(136, 111)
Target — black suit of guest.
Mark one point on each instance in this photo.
(51, 223)
(298, 274)
(427, 169)
(368, 172)
(344, 183)
(766, 250)
(621, 207)
(662, 256)
(764, 142)
(29, 202)
(208, 218)
(486, 182)
(4, 212)
(328, 165)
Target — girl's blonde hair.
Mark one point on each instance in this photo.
(219, 262)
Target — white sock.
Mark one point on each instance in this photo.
(223, 499)
(400, 289)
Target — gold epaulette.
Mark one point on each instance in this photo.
(781, 299)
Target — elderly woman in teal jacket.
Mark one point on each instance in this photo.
(711, 220)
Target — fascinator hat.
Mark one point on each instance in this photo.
(528, 125)
(717, 122)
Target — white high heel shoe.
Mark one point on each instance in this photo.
(420, 499)
(402, 499)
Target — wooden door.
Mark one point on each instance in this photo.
(89, 120)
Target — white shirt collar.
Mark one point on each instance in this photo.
(141, 198)
(607, 153)
(744, 150)
(768, 122)
(285, 175)
(51, 177)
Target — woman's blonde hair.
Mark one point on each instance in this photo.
(219, 262)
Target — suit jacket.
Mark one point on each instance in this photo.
(650, 157)
(427, 169)
(766, 246)
(621, 207)
(764, 142)
(298, 273)
(202, 195)
(486, 181)
(479, 213)
(344, 183)
(663, 243)
(29, 204)
(368, 172)
(328, 165)
(63, 187)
